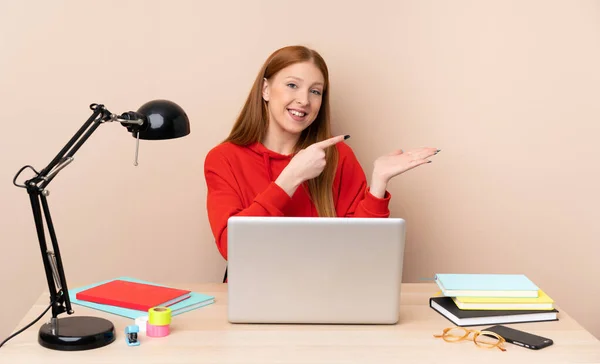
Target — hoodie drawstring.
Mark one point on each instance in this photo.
(267, 160)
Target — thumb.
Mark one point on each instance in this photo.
(331, 141)
(397, 152)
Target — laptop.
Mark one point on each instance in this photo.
(314, 270)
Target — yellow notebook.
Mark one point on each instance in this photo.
(542, 302)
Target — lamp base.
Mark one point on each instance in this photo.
(77, 333)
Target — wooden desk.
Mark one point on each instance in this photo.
(205, 336)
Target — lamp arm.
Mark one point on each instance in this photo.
(131, 120)
(98, 109)
(36, 188)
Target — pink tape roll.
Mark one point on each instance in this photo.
(156, 331)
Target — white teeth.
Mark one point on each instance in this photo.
(297, 113)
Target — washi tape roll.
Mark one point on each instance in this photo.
(141, 322)
(156, 330)
(159, 316)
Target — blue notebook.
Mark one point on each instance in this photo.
(486, 285)
(196, 300)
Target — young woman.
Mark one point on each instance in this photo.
(280, 158)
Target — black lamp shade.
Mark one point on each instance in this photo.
(163, 120)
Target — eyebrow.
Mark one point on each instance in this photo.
(299, 79)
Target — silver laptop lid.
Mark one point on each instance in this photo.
(314, 270)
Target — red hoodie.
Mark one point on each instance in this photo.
(240, 181)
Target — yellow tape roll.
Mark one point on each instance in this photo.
(159, 316)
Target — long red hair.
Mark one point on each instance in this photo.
(252, 123)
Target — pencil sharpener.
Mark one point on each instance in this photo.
(131, 335)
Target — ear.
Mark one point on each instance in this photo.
(265, 89)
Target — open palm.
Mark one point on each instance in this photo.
(397, 162)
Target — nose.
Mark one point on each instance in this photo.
(302, 99)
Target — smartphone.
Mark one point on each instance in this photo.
(521, 338)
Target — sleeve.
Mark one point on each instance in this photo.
(224, 199)
(354, 198)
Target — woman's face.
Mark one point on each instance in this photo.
(294, 97)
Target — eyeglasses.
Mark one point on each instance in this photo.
(483, 339)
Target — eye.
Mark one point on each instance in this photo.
(291, 85)
(316, 92)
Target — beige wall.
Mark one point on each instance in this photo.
(509, 90)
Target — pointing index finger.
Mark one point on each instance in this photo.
(331, 141)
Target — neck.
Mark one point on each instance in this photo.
(280, 141)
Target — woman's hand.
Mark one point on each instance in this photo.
(390, 165)
(306, 164)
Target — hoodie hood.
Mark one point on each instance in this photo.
(272, 160)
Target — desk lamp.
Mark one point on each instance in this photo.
(155, 120)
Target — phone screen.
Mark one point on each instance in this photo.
(521, 338)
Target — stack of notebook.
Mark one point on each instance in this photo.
(132, 298)
(484, 299)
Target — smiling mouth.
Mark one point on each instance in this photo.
(297, 113)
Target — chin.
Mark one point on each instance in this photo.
(294, 130)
